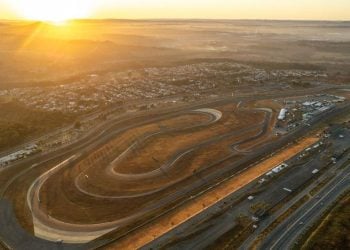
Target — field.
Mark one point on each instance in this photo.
(19, 123)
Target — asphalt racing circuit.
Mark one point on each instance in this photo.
(135, 167)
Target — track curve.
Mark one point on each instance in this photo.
(51, 228)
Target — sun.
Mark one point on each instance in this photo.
(55, 11)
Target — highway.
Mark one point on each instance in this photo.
(286, 234)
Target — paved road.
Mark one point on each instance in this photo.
(103, 135)
(270, 219)
(285, 235)
(22, 240)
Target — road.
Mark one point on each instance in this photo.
(285, 235)
(104, 133)
(329, 173)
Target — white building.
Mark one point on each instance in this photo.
(282, 114)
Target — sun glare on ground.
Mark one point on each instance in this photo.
(57, 12)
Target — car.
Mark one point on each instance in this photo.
(250, 198)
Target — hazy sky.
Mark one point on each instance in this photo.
(227, 9)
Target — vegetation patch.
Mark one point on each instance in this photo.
(320, 185)
(333, 230)
(233, 238)
(19, 123)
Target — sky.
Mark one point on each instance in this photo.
(148, 9)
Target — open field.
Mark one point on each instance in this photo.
(18, 123)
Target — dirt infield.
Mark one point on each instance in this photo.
(149, 156)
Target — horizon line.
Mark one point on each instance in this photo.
(182, 19)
